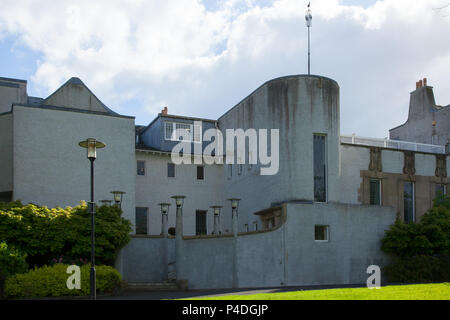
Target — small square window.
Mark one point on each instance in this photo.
(140, 168)
(321, 233)
(200, 172)
(171, 170)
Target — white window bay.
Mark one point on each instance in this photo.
(193, 132)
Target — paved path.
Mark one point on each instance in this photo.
(158, 295)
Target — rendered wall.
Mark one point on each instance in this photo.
(155, 187)
(12, 91)
(286, 256)
(51, 169)
(299, 106)
(6, 153)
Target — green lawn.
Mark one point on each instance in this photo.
(402, 292)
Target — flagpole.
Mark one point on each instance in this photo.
(308, 18)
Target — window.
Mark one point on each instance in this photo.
(320, 168)
(193, 132)
(375, 192)
(140, 168)
(141, 220)
(440, 190)
(200, 222)
(230, 171)
(255, 225)
(171, 170)
(408, 202)
(168, 130)
(246, 227)
(200, 172)
(239, 169)
(320, 233)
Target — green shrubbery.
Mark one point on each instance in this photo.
(45, 234)
(11, 262)
(421, 250)
(52, 282)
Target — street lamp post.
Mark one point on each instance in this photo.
(91, 146)
(118, 196)
(234, 208)
(164, 218)
(216, 210)
(179, 200)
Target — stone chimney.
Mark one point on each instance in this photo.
(424, 82)
(165, 111)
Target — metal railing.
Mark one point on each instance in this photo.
(393, 144)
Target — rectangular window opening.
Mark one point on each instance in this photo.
(375, 192)
(171, 170)
(200, 173)
(320, 168)
(200, 222)
(320, 233)
(141, 220)
(408, 202)
(140, 168)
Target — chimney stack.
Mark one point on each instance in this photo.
(424, 82)
(164, 111)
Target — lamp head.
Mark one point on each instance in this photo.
(179, 200)
(164, 207)
(91, 146)
(118, 195)
(234, 203)
(216, 210)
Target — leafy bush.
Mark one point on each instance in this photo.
(419, 269)
(421, 250)
(52, 282)
(11, 262)
(44, 233)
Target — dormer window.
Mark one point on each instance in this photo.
(182, 129)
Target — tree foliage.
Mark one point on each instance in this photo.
(421, 250)
(44, 233)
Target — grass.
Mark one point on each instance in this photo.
(440, 291)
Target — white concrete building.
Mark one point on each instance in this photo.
(326, 208)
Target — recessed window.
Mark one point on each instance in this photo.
(141, 220)
(140, 168)
(408, 202)
(230, 171)
(239, 169)
(320, 233)
(375, 192)
(440, 190)
(171, 170)
(320, 167)
(200, 222)
(200, 172)
(255, 225)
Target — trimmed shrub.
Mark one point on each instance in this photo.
(44, 233)
(11, 262)
(52, 282)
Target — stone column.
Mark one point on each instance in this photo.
(235, 247)
(216, 223)
(165, 243)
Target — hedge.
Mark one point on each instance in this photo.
(51, 281)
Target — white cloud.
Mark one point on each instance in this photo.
(139, 56)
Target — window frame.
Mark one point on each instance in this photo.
(413, 201)
(326, 166)
(146, 220)
(203, 173)
(379, 192)
(137, 167)
(174, 170)
(327, 233)
(192, 137)
(199, 212)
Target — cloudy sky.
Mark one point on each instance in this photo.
(201, 57)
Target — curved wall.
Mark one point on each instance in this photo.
(298, 106)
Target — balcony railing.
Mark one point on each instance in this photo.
(393, 144)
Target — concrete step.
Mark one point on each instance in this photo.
(162, 286)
